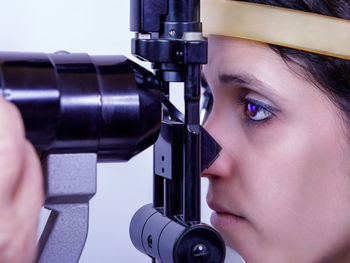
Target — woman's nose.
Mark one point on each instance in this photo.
(223, 164)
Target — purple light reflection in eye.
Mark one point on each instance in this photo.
(252, 107)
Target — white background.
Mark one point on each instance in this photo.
(94, 27)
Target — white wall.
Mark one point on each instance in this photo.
(94, 27)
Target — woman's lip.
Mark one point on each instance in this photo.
(229, 214)
(224, 220)
(222, 211)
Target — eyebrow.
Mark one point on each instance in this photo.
(244, 79)
(239, 79)
(248, 81)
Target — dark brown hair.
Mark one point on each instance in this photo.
(331, 75)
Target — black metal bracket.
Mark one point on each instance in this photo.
(146, 15)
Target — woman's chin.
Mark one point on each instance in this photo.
(234, 231)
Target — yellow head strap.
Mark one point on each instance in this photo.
(280, 26)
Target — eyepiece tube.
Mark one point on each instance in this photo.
(79, 103)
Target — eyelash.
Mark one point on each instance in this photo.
(246, 101)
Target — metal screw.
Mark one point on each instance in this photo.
(61, 52)
(172, 32)
(199, 250)
(150, 241)
(179, 53)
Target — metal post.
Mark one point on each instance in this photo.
(70, 184)
(192, 145)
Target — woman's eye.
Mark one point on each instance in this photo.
(255, 112)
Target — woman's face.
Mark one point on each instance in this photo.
(280, 187)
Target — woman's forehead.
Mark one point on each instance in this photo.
(224, 48)
(233, 56)
(235, 59)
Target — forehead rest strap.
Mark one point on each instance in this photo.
(279, 26)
